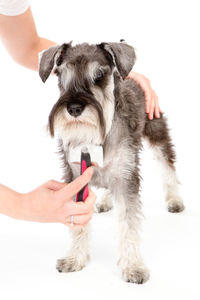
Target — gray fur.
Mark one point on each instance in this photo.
(47, 62)
(47, 59)
(114, 117)
(123, 56)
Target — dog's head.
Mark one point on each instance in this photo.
(86, 75)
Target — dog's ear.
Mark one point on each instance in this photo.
(122, 56)
(47, 59)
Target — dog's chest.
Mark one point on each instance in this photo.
(96, 153)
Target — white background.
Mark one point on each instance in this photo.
(166, 37)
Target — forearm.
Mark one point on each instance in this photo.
(30, 58)
(10, 202)
(20, 37)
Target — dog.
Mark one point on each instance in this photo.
(97, 106)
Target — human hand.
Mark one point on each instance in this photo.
(52, 202)
(94, 163)
(152, 106)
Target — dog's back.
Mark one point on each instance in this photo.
(130, 105)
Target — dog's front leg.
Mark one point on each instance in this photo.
(126, 194)
(130, 260)
(78, 254)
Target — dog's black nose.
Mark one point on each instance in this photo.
(75, 109)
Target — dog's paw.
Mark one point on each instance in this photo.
(136, 274)
(103, 207)
(70, 264)
(175, 206)
(106, 202)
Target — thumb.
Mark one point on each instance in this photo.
(75, 186)
(54, 185)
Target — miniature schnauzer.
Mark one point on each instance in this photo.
(97, 106)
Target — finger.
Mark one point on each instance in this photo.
(156, 109)
(80, 219)
(95, 164)
(151, 104)
(150, 115)
(147, 106)
(91, 199)
(55, 185)
(75, 186)
(145, 85)
(79, 208)
(156, 112)
(76, 227)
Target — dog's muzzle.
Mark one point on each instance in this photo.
(75, 104)
(75, 109)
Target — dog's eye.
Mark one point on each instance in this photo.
(99, 75)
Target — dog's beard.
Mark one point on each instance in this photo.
(89, 127)
(76, 131)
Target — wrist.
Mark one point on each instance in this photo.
(25, 208)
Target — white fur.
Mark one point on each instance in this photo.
(86, 126)
(78, 255)
(106, 202)
(67, 76)
(130, 260)
(171, 183)
(91, 70)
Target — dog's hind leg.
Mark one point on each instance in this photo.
(158, 134)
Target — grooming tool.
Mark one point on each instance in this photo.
(85, 163)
